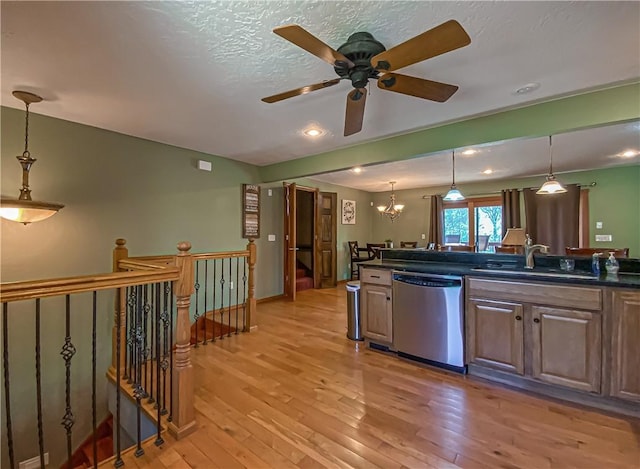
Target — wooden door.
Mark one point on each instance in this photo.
(495, 334)
(290, 242)
(625, 345)
(377, 319)
(326, 235)
(567, 347)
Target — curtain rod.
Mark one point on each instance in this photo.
(591, 184)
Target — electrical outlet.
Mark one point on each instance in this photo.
(231, 285)
(33, 463)
(604, 238)
(269, 192)
(598, 225)
(423, 236)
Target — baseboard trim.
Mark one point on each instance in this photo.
(270, 298)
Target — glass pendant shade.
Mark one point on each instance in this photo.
(454, 194)
(23, 209)
(551, 185)
(392, 210)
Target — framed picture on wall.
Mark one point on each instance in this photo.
(250, 211)
(348, 212)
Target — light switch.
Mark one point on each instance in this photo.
(598, 225)
(423, 236)
(604, 238)
(269, 192)
(271, 237)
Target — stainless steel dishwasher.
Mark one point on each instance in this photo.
(428, 318)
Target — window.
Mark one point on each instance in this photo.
(475, 221)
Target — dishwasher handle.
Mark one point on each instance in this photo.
(432, 281)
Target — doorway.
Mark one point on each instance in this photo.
(310, 239)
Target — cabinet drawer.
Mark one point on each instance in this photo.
(377, 276)
(589, 298)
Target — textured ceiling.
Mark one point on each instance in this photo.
(192, 74)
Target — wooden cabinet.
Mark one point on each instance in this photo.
(533, 330)
(567, 347)
(375, 305)
(495, 335)
(625, 345)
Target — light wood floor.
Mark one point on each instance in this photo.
(298, 394)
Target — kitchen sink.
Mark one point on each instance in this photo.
(535, 273)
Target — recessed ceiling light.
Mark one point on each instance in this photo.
(313, 132)
(528, 88)
(470, 151)
(629, 153)
(357, 170)
(487, 171)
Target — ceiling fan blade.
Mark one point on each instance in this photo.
(298, 91)
(355, 111)
(444, 38)
(418, 87)
(303, 38)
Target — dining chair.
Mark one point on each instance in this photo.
(460, 247)
(408, 244)
(355, 251)
(374, 249)
(617, 252)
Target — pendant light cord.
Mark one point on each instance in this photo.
(26, 131)
(453, 169)
(550, 158)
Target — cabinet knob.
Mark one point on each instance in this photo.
(536, 320)
(388, 298)
(518, 318)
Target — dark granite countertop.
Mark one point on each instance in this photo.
(506, 266)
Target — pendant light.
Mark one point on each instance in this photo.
(454, 194)
(551, 185)
(392, 210)
(23, 209)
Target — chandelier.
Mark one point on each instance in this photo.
(23, 209)
(551, 185)
(392, 210)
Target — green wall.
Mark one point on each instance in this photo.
(615, 201)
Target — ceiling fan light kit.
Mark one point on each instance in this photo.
(24, 209)
(363, 58)
(551, 185)
(454, 194)
(392, 210)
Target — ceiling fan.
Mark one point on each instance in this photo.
(362, 58)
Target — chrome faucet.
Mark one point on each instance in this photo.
(529, 249)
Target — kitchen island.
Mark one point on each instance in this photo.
(569, 335)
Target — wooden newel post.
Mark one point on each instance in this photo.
(120, 252)
(183, 414)
(251, 296)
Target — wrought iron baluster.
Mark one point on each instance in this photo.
(213, 309)
(39, 384)
(222, 281)
(157, 309)
(152, 321)
(119, 462)
(138, 391)
(7, 397)
(93, 378)
(144, 348)
(68, 351)
(237, 290)
(126, 321)
(165, 345)
(229, 312)
(171, 299)
(244, 293)
(131, 332)
(196, 287)
(206, 288)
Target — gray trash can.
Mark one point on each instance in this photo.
(354, 326)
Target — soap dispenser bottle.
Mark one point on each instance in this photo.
(595, 263)
(612, 265)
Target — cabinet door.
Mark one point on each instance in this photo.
(376, 312)
(567, 347)
(495, 334)
(625, 365)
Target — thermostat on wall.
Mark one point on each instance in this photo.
(204, 165)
